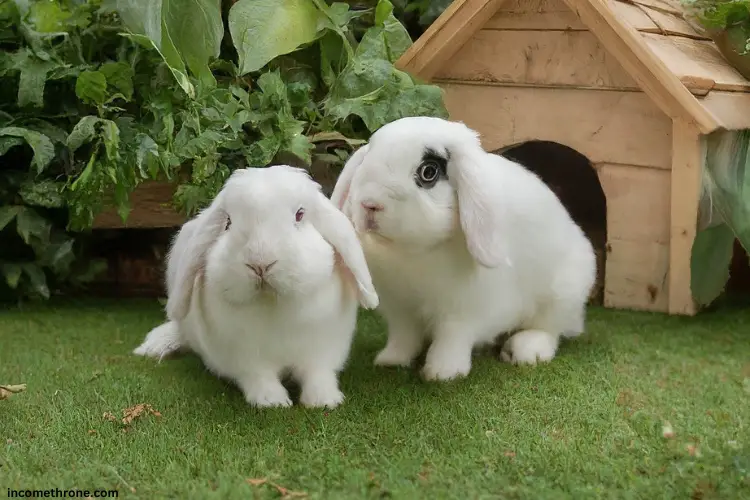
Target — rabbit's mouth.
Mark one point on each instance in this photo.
(265, 288)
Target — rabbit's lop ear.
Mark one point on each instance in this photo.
(481, 209)
(344, 182)
(187, 258)
(337, 230)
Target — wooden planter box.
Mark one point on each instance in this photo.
(151, 204)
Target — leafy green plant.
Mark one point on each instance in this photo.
(723, 15)
(426, 11)
(98, 96)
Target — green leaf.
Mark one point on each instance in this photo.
(83, 132)
(710, 261)
(37, 278)
(46, 193)
(90, 127)
(91, 87)
(337, 19)
(12, 273)
(7, 143)
(396, 36)
(181, 32)
(30, 224)
(340, 13)
(63, 256)
(383, 10)
(44, 150)
(171, 57)
(333, 57)
(265, 29)
(388, 39)
(147, 156)
(295, 141)
(54, 132)
(142, 17)
(111, 135)
(119, 75)
(7, 214)
(260, 153)
(33, 77)
(51, 17)
(300, 146)
(336, 136)
(196, 29)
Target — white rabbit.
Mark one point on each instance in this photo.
(463, 246)
(265, 283)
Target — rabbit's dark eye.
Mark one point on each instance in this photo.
(427, 174)
(229, 223)
(300, 214)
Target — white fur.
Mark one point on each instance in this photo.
(489, 250)
(299, 321)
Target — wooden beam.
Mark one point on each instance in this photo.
(631, 50)
(731, 109)
(455, 26)
(687, 172)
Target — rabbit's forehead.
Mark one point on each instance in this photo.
(402, 156)
(260, 195)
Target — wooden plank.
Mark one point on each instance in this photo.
(636, 275)
(633, 15)
(534, 15)
(672, 24)
(664, 5)
(454, 27)
(535, 21)
(151, 207)
(605, 126)
(637, 202)
(651, 73)
(687, 172)
(696, 58)
(533, 6)
(574, 58)
(731, 109)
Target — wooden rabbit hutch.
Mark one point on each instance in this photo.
(630, 85)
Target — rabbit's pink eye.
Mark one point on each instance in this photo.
(300, 214)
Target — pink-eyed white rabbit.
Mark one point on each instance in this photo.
(266, 282)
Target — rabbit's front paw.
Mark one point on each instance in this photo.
(530, 347)
(447, 361)
(266, 393)
(321, 389)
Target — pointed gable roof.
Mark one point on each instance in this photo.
(672, 61)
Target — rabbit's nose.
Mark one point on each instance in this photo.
(372, 206)
(260, 269)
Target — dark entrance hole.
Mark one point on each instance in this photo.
(572, 177)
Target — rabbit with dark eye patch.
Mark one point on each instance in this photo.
(266, 282)
(463, 245)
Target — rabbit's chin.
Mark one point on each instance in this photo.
(242, 291)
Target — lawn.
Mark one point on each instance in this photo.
(644, 406)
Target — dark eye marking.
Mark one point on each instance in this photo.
(229, 223)
(432, 168)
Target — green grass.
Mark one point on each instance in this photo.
(588, 425)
